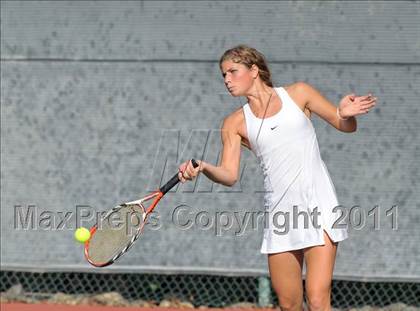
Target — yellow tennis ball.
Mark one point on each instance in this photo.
(82, 235)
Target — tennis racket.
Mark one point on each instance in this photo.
(114, 234)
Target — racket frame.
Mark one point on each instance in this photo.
(157, 195)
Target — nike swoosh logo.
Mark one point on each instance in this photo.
(272, 128)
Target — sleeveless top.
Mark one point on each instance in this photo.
(287, 150)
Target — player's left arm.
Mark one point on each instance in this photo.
(349, 106)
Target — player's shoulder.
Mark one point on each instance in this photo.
(298, 87)
(300, 90)
(234, 119)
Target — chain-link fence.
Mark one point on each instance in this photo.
(201, 290)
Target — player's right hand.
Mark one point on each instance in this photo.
(186, 171)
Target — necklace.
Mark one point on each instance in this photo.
(265, 112)
(262, 121)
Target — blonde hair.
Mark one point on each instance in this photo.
(248, 56)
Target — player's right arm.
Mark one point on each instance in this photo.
(226, 173)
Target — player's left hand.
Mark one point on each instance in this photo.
(352, 105)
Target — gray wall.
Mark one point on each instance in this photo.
(96, 96)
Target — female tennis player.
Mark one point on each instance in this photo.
(275, 125)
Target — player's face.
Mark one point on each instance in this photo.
(238, 78)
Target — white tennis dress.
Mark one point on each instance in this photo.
(287, 150)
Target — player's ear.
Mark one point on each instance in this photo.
(254, 69)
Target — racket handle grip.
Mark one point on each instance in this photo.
(174, 180)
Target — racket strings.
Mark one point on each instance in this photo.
(115, 233)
